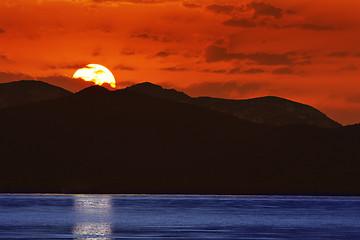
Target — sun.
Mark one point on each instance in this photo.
(97, 74)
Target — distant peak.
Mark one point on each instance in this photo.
(146, 85)
(157, 91)
(26, 83)
(95, 89)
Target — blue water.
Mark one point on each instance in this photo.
(178, 217)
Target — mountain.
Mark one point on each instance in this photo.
(269, 110)
(273, 111)
(28, 91)
(100, 141)
(157, 91)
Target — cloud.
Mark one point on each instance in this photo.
(145, 35)
(2, 31)
(127, 52)
(123, 67)
(348, 68)
(68, 66)
(283, 71)
(245, 23)
(307, 26)
(131, 1)
(191, 5)
(357, 55)
(248, 71)
(10, 77)
(222, 89)
(96, 52)
(234, 70)
(264, 9)
(174, 69)
(252, 23)
(151, 36)
(215, 53)
(162, 54)
(353, 98)
(216, 8)
(338, 54)
(253, 71)
(219, 71)
(4, 58)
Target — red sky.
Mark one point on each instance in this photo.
(303, 50)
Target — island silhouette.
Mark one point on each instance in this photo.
(146, 139)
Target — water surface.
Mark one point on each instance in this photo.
(178, 217)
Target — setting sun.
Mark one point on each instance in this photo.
(97, 74)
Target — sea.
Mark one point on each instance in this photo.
(178, 217)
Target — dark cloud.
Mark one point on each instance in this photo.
(4, 58)
(219, 71)
(162, 54)
(305, 59)
(123, 67)
(338, 54)
(252, 23)
(270, 59)
(264, 9)
(357, 55)
(304, 26)
(307, 26)
(69, 66)
(127, 52)
(216, 8)
(106, 28)
(191, 5)
(290, 12)
(145, 35)
(247, 71)
(350, 68)
(353, 98)
(215, 53)
(151, 36)
(2, 31)
(130, 1)
(222, 89)
(234, 70)
(174, 69)
(283, 71)
(10, 77)
(96, 52)
(253, 71)
(242, 22)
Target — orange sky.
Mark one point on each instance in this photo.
(302, 50)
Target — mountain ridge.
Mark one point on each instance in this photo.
(279, 111)
(28, 91)
(269, 110)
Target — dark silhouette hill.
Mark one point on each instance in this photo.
(28, 91)
(269, 110)
(274, 111)
(100, 141)
(157, 91)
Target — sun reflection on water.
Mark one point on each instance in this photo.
(93, 216)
